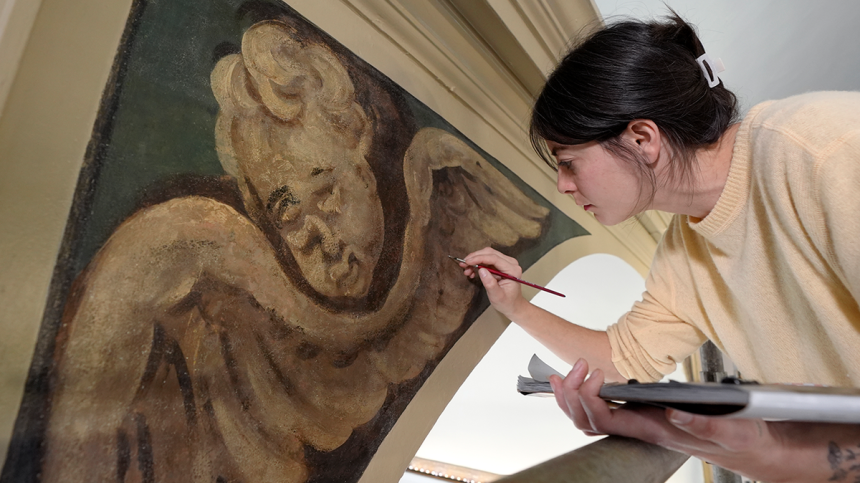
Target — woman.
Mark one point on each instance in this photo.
(761, 257)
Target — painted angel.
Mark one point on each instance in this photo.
(206, 343)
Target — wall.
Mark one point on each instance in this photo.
(771, 49)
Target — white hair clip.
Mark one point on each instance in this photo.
(713, 68)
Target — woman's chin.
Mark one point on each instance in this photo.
(608, 220)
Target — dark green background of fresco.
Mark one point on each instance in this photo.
(165, 115)
(165, 118)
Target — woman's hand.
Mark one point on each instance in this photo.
(505, 295)
(764, 451)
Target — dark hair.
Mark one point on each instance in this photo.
(634, 70)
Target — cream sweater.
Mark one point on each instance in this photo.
(772, 274)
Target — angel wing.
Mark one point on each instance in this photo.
(485, 206)
(458, 202)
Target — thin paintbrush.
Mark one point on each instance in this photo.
(505, 275)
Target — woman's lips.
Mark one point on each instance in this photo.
(586, 207)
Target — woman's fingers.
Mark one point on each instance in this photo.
(505, 295)
(595, 409)
(493, 258)
(558, 392)
(645, 423)
(566, 393)
(485, 256)
(735, 435)
(738, 444)
(491, 283)
(578, 395)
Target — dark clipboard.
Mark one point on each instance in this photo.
(732, 398)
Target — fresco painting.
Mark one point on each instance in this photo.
(266, 312)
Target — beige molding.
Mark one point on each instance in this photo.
(452, 55)
(16, 22)
(545, 27)
(46, 124)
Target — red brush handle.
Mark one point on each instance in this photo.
(515, 279)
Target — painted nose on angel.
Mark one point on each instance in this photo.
(313, 232)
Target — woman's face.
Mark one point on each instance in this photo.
(320, 194)
(605, 186)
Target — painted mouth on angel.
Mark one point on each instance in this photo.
(315, 234)
(315, 244)
(346, 271)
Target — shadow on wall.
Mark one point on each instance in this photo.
(254, 280)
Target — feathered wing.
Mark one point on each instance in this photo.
(459, 202)
(471, 195)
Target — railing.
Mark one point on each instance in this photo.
(611, 460)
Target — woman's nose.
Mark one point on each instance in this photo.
(565, 184)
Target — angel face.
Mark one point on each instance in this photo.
(292, 133)
(320, 193)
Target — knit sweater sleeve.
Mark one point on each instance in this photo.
(651, 339)
(837, 206)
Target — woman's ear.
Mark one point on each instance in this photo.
(645, 134)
